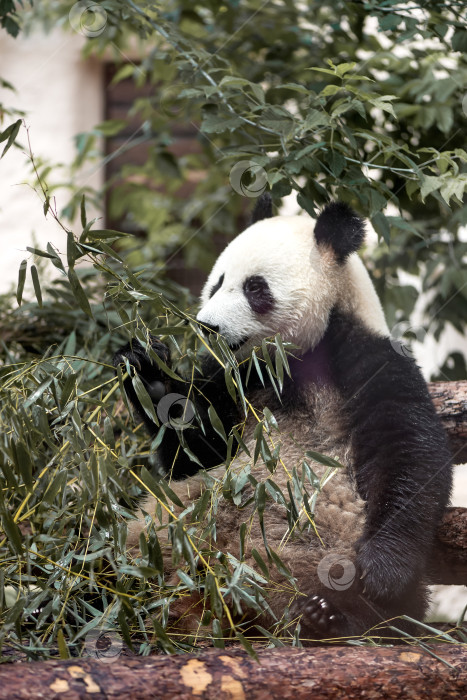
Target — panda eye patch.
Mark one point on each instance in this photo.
(217, 286)
(258, 294)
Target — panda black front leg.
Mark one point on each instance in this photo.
(156, 382)
(189, 442)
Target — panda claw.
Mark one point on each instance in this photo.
(320, 617)
(137, 356)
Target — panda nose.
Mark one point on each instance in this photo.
(209, 327)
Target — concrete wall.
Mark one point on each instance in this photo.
(62, 95)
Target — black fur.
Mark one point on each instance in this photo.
(263, 208)
(199, 436)
(401, 459)
(217, 286)
(401, 463)
(339, 227)
(258, 294)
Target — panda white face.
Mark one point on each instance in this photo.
(272, 278)
(284, 274)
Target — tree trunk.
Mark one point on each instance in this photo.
(450, 400)
(448, 564)
(449, 559)
(285, 674)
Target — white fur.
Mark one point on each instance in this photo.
(304, 278)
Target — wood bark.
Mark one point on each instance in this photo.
(286, 674)
(450, 400)
(448, 562)
(449, 558)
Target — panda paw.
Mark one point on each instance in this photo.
(137, 356)
(320, 617)
(386, 574)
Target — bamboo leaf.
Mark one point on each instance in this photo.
(216, 423)
(22, 462)
(68, 388)
(62, 645)
(41, 253)
(217, 637)
(257, 367)
(240, 441)
(158, 488)
(32, 399)
(83, 211)
(72, 250)
(323, 459)
(9, 135)
(11, 529)
(246, 645)
(55, 258)
(261, 563)
(21, 281)
(37, 285)
(102, 234)
(144, 399)
(109, 436)
(79, 292)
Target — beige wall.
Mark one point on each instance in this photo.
(62, 95)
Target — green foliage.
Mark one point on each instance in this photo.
(361, 101)
(9, 16)
(317, 99)
(72, 467)
(9, 22)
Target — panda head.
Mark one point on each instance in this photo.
(285, 274)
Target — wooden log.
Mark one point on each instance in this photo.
(289, 674)
(453, 529)
(448, 562)
(450, 400)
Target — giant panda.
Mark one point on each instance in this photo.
(351, 395)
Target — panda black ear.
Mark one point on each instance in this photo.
(263, 208)
(339, 227)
